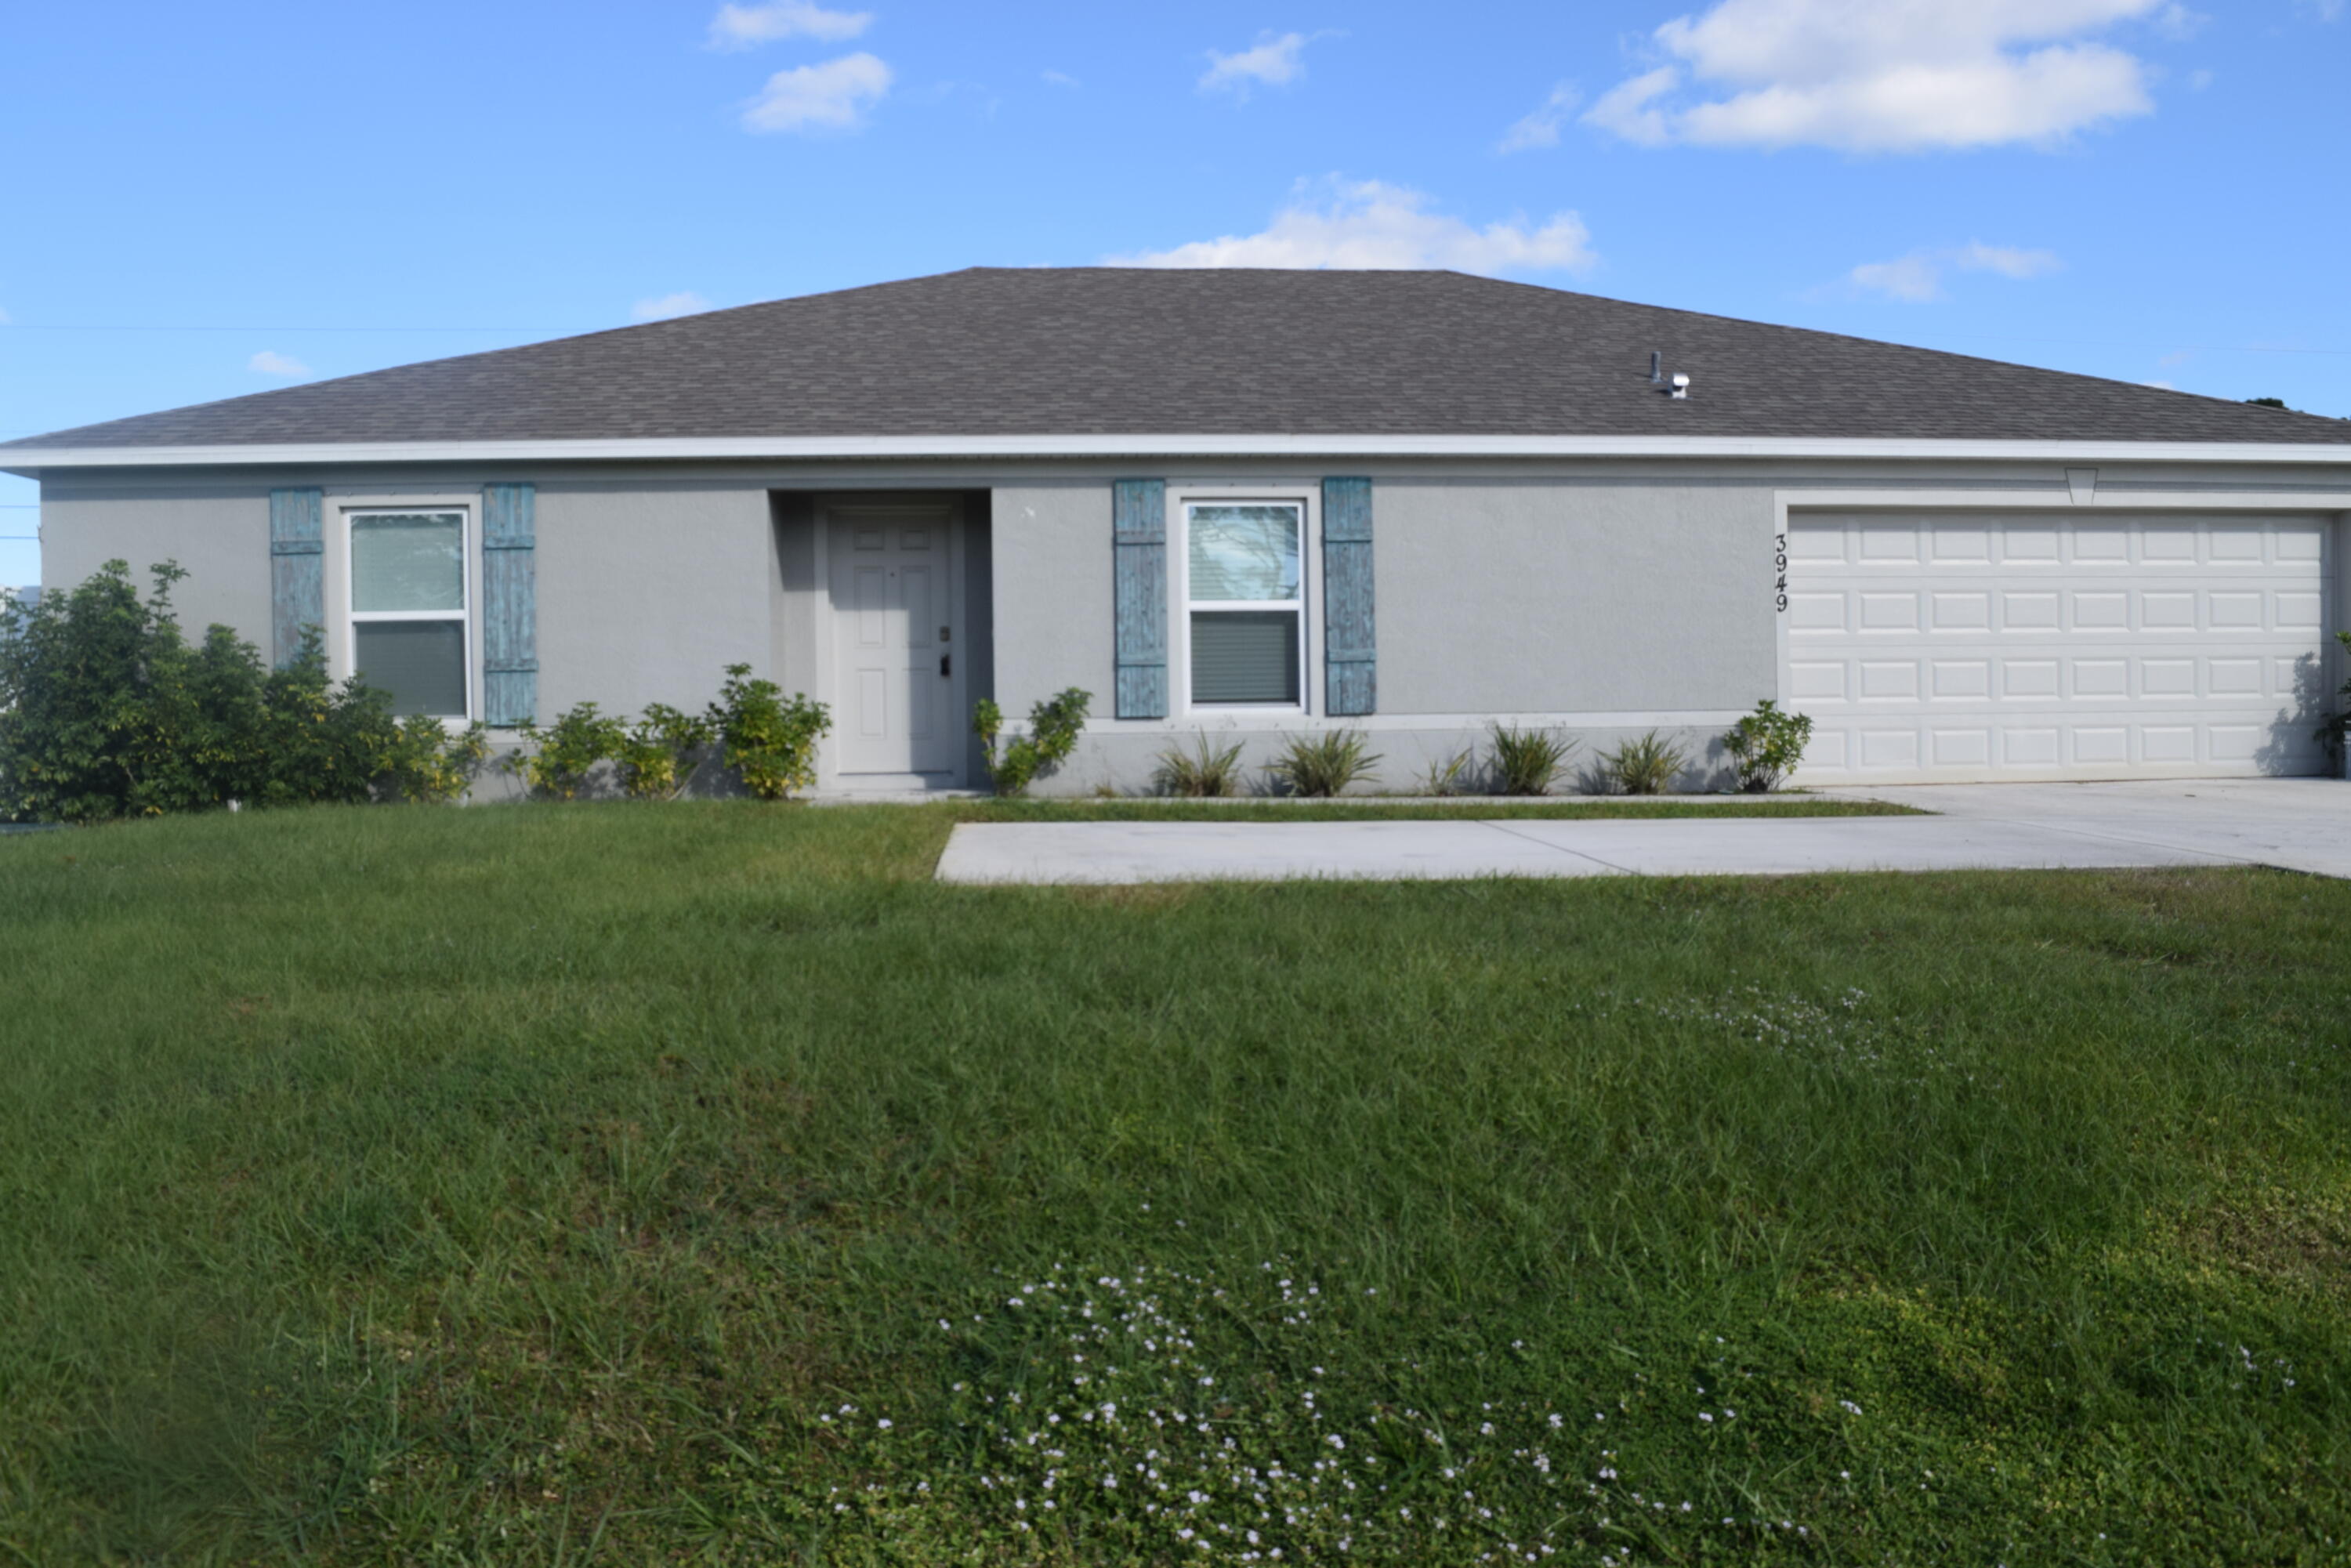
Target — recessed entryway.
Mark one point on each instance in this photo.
(896, 588)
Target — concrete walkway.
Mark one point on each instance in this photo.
(2300, 824)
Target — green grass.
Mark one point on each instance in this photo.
(547, 1185)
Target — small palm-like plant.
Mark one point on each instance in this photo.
(1644, 766)
(1324, 764)
(1201, 773)
(1528, 761)
(1442, 775)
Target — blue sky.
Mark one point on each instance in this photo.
(206, 200)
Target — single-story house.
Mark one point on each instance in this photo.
(1257, 504)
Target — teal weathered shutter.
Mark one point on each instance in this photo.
(297, 569)
(509, 605)
(1350, 664)
(1138, 516)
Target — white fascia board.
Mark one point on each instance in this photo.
(898, 447)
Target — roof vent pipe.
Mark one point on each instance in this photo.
(1656, 369)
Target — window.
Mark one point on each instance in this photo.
(408, 608)
(1246, 601)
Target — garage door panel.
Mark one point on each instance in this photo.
(2300, 612)
(2029, 547)
(1975, 647)
(2105, 612)
(2101, 677)
(2101, 545)
(1962, 678)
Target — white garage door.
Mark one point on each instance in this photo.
(1974, 646)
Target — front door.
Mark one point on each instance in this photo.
(898, 720)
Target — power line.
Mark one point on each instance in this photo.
(70, 327)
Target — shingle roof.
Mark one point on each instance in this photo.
(1116, 351)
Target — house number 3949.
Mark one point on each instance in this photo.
(1779, 567)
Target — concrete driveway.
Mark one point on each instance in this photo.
(2300, 824)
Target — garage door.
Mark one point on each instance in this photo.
(1969, 646)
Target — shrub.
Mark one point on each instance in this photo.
(1324, 764)
(1767, 745)
(769, 740)
(107, 711)
(1443, 774)
(1202, 773)
(560, 757)
(427, 765)
(1530, 761)
(1644, 766)
(1053, 727)
(658, 754)
(2338, 725)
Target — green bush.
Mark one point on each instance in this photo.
(1201, 773)
(1767, 745)
(658, 754)
(1528, 761)
(768, 738)
(1324, 764)
(1644, 766)
(107, 711)
(2338, 724)
(427, 765)
(560, 757)
(1053, 727)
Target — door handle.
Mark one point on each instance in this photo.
(946, 664)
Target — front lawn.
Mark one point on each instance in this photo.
(703, 1183)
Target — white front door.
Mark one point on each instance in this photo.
(898, 719)
(1971, 646)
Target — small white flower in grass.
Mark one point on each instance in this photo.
(1336, 1441)
(884, 1424)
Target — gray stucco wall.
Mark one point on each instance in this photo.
(1500, 596)
(220, 536)
(647, 593)
(1605, 597)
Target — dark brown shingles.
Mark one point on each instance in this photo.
(1115, 351)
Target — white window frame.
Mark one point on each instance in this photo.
(342, 632)
(1180, 502)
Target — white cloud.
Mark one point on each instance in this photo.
(1918, 276)
(1913, 277)
(668, 306)
(269, 362)
(1060, 78)
(2198, 80)
(1273, 63)
(3, 317)
(2159, 386)
(1883, 76)
(2007, 260)
(833, 96)
(745, 27)
(1542, 128)
(1366, 224)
